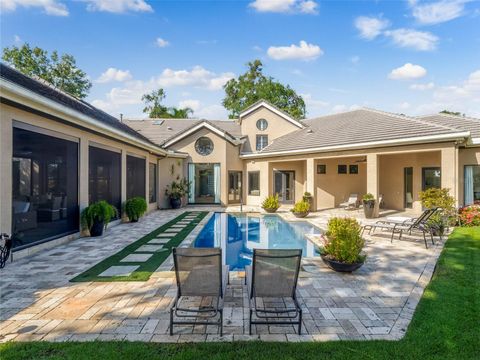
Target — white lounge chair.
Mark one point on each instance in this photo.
(351, 203)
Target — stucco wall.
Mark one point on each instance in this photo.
(334, 188)
(8, 114)
(392, 181)
(171, 169)
(469, 156)
(277, 126)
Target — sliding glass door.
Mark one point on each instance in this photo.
(204, 183)
(136, 177)
(471, 184)
(104, 176)
(44, 187)
(284, 186)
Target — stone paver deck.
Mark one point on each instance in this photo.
(37, 301)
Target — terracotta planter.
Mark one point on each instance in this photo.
(301, 214)
(339, 266)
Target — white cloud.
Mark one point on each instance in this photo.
(112, 74)
(404, 105)
(422, 87)
(408, 72)
(438, 12)
(285, 6)
(17, 39)
(161, 43)
(50, 7)
(189, 103)
(343, 108)
(303, 51)
(213, 112)
(418, 40)
(313, 104)
(370, 27)
(197, 76)
(118, 6)
(355, 59)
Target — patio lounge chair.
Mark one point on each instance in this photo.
(351, 203)
(408, 225)
(273, 275)
(199, 273)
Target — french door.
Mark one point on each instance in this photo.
(284, 186)
(234, 186)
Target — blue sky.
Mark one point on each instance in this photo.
(412, 57)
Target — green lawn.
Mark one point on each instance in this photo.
(446, 325)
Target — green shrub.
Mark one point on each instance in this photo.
(343, 242)
(271, 203)
(301, 207)
(135, 208)
(178, 189)
(307, 196)
(435, 197)
(368, 197)
(99, 211)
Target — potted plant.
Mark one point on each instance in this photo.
(301, 209)
(368, 205)
(271, 204)
(307, 197)
(96, 217)
(342, 245)
(134, 208)
(176, 191)
(439, 198)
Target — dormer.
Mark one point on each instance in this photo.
(262, 123)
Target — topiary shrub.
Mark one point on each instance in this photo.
(342, 241)
(134, 208)
(271, 203)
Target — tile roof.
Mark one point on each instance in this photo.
(356, 127)
(49, 92)
(161, 130)
(458, 122)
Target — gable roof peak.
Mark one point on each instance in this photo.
(271, 107)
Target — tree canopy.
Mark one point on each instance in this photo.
(448, 112)
(155, 109)
(253, 86)
(59, 70)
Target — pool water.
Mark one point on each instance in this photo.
(239, 234)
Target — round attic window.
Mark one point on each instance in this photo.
(262, 124)
(204, 146)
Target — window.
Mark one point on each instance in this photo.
(44, 187)
(135, 177)
(254, 183)
(431, 178)
(472, 184)
(262, 141)
(408, 187)
(321, 169)
(204, 146)
(342, 169)
(152, 183)
(104, 176)
(262, 124)
(353, 169)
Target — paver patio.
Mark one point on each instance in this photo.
(39, 303)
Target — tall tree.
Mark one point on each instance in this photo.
(59, 70)
(448, 112)
(253, 85)
(155, 109)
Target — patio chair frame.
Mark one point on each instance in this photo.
(409, 225)
(287, 316)
(217, 309)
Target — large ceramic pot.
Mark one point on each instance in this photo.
(271, 211)
(369, 208)
(301, 214)
(97, 228)
(339, 266)
(175, 203)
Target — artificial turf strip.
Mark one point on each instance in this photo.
(445, 326)
(145, 270)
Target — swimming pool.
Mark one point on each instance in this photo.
(239, 234)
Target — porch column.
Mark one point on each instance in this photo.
(449, 174)
(373, 182)
(83, 173)
(311, 186)
(123, 175)
(6, 144)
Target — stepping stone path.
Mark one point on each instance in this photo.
(136, 258)
(150, 248)
(125, 270)
(179, 226)
(158, 241)
(169, 236)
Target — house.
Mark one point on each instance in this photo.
(265, 151)
(58, 154)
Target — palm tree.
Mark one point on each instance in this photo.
(183, 113)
